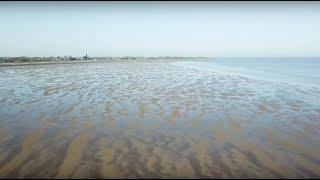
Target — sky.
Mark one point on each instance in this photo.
(214, 29)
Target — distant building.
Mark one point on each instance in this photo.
(85, 57)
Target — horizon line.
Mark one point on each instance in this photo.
(172, 56)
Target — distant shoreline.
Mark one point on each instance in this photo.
(28, 63)
(44, 63)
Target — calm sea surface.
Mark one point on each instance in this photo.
(301, 71)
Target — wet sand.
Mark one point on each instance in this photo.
(147, 119)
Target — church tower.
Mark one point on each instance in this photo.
(86, 56)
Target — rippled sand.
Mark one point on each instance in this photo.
(153, 120)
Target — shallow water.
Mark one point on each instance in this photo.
(144, 119)
(296, 71)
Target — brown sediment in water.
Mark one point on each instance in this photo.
(4, 136)
(290, 145)
(32, 166)
(142, 149)
(201, 154)
(178, 137)
(152, 164)
(108, 107)
(27, 149)
(219, 134)
(83, 172)
(107, 154)
(235, 132)
(307, 165)
(166, 164)
(3, 154)
(111, 171)
(141, 110)
(270, 166)
(174, 115)
(120, 145)
(233, 161)
(184, 168)
(110, 121)
(170, 163)
(74, 155)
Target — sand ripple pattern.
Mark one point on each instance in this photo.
(153, 120)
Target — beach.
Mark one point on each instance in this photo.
(154, 119)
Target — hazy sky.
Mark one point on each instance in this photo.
(160, 28)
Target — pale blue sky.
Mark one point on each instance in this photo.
(160, 28)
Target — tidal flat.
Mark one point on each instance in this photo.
(146, 119)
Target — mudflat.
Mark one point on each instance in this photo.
(147, 119)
